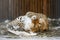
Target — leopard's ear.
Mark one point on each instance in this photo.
(34, 17)
(28, 13)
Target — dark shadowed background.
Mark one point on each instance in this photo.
(10, 9)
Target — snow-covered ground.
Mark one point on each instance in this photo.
(52, 34)
(32, 38)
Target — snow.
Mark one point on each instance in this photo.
(55, 31)
(37, 38)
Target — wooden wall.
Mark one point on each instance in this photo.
(32, 5)
(47, 7)
(10, 9)
(40, 6)
(4, 9)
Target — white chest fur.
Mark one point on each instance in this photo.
(27, 22)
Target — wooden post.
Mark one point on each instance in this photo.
(45, 7)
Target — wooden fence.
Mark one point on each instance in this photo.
(10, 9)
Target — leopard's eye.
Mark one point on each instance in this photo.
(18, 17)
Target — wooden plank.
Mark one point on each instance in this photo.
(27, 5)
(31, 5)
(10, 10)
(35, 5)
(40, 6)
(23, 7)
(5, 9)
(0, 9)
(48, 8)
(45, 7)
(19, 7)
